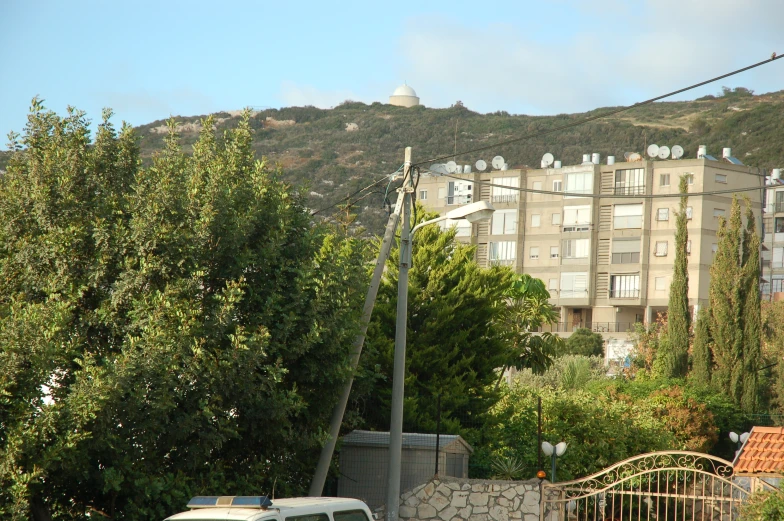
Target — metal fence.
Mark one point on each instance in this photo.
(597, 327)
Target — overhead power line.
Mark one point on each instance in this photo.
(385, 177)
(599, 116)
(610, 196)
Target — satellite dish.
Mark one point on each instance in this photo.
(677, 152)
(664, 152)
(627, 155)
(548, 159)
(653, 150)
(451, 167)
(634, 156)
(439, 168)
(481, 165)
(498, 162)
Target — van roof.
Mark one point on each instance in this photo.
(307, 504)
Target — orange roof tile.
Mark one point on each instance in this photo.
(763, 452)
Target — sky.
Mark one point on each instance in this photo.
(148, 60)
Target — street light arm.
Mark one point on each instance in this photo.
(431, 221)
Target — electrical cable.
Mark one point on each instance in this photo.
(576, 195)
(351, 195)
(600, 116)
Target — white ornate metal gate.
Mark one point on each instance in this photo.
(659, 486)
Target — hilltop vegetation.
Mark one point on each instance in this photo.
(317, 152)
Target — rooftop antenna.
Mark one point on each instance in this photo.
(664, 152)
(677, 152)
(653, 150)
(627, 155)
(481, 165)
(547, 159)
(498, 162)
(451, 167)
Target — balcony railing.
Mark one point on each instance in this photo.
(597, 327)
(504, 198)
(503, 262)
(458, 199)
(624, 293)
(570, 293)
(629, 190)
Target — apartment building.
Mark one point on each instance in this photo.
(601, 243)
(772, 284)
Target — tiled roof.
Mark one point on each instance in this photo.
(763, 452)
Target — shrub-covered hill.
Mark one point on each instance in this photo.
(315, 149)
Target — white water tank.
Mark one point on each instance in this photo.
(543, 164)
(505, 167)
(726, 153)
(702, 151)
(459, 169)
(610, 160)
(776, 173)
(586, 159)
(557, 163)
(467, 169)
(595, 158)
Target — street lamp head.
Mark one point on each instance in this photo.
(560, 449)
(547, 448)
(734, 437)
(475, 212)
(743, 437)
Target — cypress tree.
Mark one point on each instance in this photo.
(678, 317)
(752, 318)
(724, 300)
(702, 361)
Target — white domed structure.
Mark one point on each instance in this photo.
(404, 96)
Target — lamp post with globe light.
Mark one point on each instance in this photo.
(475, 212)
(553, 453)
(739, 439)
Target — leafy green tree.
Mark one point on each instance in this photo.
(454, 343)
(584, 342)
(676, 358)
(752, 316)
(702, 360)
(164, 331)
(525, 309)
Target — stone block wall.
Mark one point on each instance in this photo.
(447, 499)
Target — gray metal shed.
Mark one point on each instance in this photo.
(364, 459)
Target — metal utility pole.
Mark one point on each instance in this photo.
(322, 469)
(398, 374)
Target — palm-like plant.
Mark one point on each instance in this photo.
(527, 309)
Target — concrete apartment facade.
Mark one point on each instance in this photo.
(607, 260)
(772, 286)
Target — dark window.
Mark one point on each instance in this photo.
(309, 517)
(350, 515)
(779, 224)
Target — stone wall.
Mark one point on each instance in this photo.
(447, 499)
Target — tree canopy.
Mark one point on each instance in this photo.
(164, 331)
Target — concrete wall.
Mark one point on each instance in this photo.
(447, 499)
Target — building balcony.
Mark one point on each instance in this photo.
(503, 262)
(508, 199)
(629, 190)
(625, 293)
(596, 327)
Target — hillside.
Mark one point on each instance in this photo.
(316, 151)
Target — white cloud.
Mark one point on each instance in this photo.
(612, 54)
(294, 95)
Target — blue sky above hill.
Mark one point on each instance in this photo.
(150, 59)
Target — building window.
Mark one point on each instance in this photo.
(630, 182)
(505, 195)
(458, 192)
(504, 222)
(714, 248)
(579, 183)
(536, 220)
(625, 286)
(661, 283)
(626, 251)
(552, 285)
(661, 249)
(503, 252)
(689, 178)
(778, 258)
(779, 224)
(537, 186)
(664, 180)
(689, 213)
(627, 216)
(442, 192)
(534, 252)
(557, 185)
(556, 219)
(576, 248)
(688, 247)
(462, 226)
(577, 218)
(721, 178)
(718, 212)
(423, 195)
(553, 252)
(663, 214)
(574, 285)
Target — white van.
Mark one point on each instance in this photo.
(256, 508)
